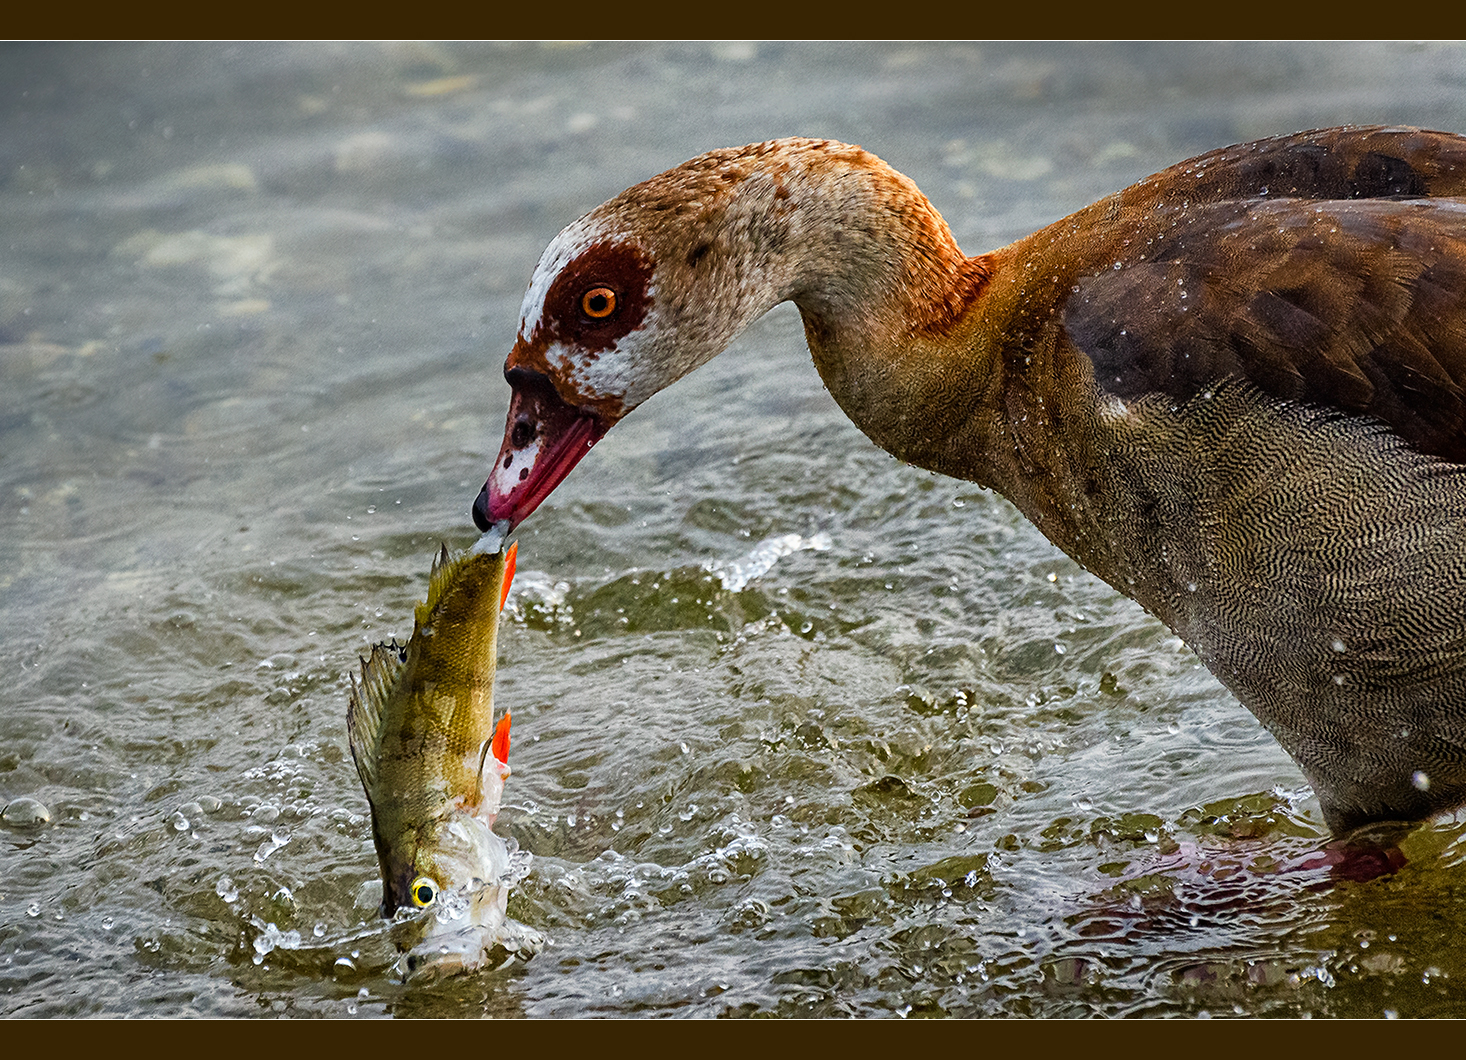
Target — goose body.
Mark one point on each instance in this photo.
(1233, 390)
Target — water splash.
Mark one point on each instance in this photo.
(271, 938)
(226, 890)
(735, 575)
(269, 846)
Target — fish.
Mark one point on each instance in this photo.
(433, 763)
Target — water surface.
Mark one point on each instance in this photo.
(799, 730)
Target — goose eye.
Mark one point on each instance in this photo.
(598, 303)
(423, 891)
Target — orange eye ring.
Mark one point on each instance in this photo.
(598, 303)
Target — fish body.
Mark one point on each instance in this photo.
(433, 765)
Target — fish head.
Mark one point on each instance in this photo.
(448, 897)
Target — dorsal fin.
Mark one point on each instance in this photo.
(445, 569)
(379, 676)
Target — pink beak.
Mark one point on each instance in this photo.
(544, 438)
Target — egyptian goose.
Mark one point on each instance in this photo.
(1234, 391)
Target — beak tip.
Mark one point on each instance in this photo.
(482, 518)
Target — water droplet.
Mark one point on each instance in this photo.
(1338, 645)
(108, 923)
(24, 812)
(34, 909)
(1419, 781)
(269, 846)
(319, 930)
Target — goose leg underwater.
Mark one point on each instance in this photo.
(433, 764)
(1233, 390)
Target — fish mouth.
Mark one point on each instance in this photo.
(544, 438)
(456, 953)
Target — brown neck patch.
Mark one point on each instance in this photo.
(946, 303)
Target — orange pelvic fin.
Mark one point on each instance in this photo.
(500, 745)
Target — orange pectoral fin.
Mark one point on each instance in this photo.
(509, 559)
(499, 747)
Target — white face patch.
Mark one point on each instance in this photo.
(612, 373)
(506, 479)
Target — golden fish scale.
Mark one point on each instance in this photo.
(436, 722)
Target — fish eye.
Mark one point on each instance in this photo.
(423, 892)
(598, 303)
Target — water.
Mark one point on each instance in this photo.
(798, 730)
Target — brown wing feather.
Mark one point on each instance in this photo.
(1350, 162)
(1358, 306)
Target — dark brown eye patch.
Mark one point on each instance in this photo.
(598, 303)
(600, 295)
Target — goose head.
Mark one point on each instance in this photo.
(657, 281)
(622, 303)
